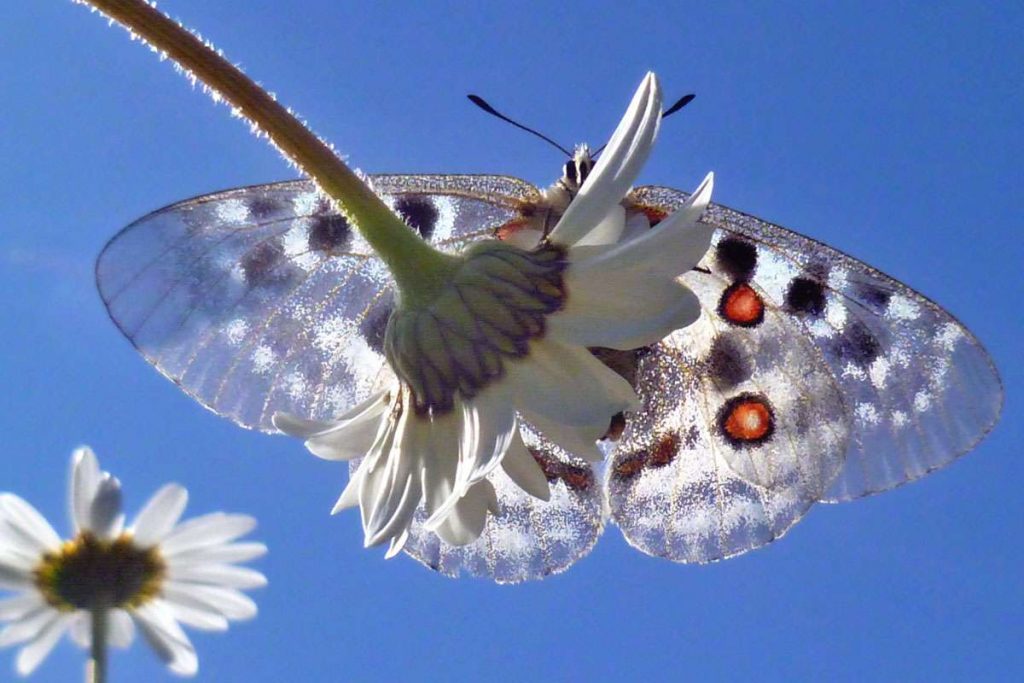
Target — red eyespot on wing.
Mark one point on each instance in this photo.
(741, 305)
(746, 419)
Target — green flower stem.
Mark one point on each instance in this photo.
(96, 669)
(419, 269)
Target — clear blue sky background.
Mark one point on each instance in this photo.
(890, 130)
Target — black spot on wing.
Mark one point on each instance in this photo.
(857, 344)
(259, 265)
(262, 207)
(419, 212)
(872, 295)
(375, 323)
(737, 257)
(727, 364)
(329, 232)
(806, 296)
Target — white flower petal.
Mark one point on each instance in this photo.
(198, 617)
(26, 521)
(350, 436)
(580, 442)
(80, 629)
(32, 655)
(439, 477)
(624, 309)
(84, 479)
(167, 639)
(121, 631)
(105, 518)
(227, 554)
(28, 626)
(206, 530)
(18, 550)
(568, 385)
(466, 521)
(671, 248)
(390, 492)
(17, 606)
(159, 515)
(218, 574)
(349, 497)
(523, 469)
(488, 423)
(618, 167)
(609, 230)
(15, 576)
(227, 601)
(397, 543)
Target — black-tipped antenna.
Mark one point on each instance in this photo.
(480, 102)
(680, 103)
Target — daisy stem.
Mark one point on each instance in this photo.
(96, 669)
(419, 269)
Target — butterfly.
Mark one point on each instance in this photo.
(810, 376)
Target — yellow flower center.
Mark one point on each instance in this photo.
(90, 573)
(488, 312)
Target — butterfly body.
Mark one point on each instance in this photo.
(809, 376)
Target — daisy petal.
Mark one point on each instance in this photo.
(397, 543)
(218, 574)
(14, 575)
(32, 655)
(608, 231)
(580, 442)
(350, 436)
(390, 493)
(466, 521)
(196, 617)
(555, 378)
(17, 549)
(227, 554)
(121, 629)
(80, 629)
(85, 477)
(523, 469)
(167, 639)
(105, 518)
(349, 497)
(206, 530)
(227, 601)
(159, 515)
(16, 607)
(618, 167)
(622, 309)
(29, 626)
(27, 522)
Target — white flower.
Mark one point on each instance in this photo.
(505, 338)
(154, 575)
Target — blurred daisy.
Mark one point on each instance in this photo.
(505, 336)
(154, 575)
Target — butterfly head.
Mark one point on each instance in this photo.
(576, 169)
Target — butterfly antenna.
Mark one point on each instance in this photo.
(480, 102)
(680, 103)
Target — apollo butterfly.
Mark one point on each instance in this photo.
(810, 376)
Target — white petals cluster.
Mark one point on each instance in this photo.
(199, 583)
(622, 292)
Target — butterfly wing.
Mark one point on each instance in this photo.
(263, 299)
(527, 539)
(921, 390)
(741, 431)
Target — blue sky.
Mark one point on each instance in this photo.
(891, 131)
